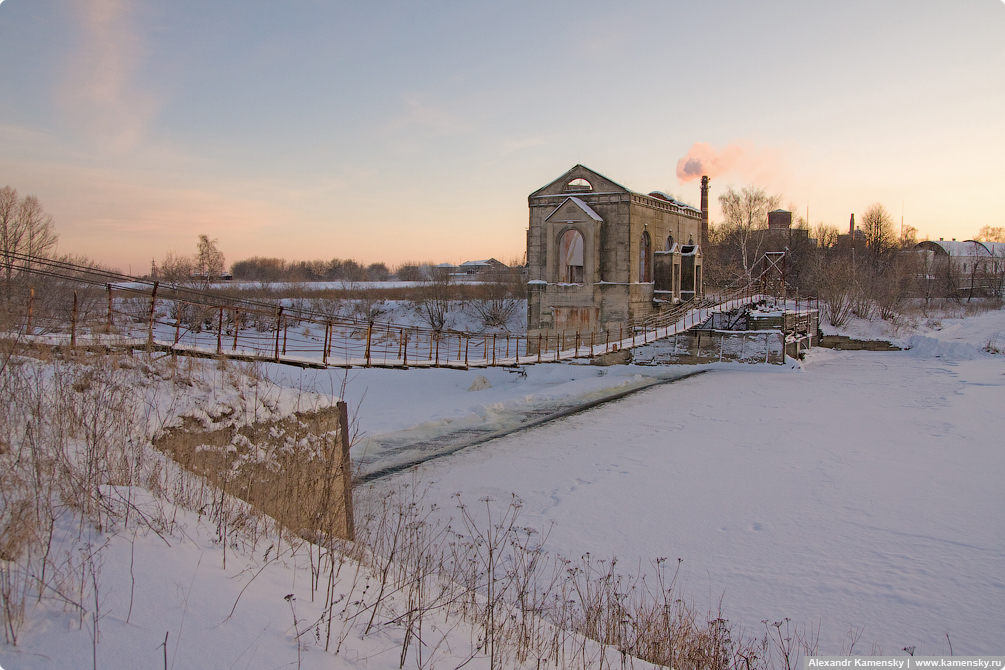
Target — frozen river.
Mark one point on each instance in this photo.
(861, 493)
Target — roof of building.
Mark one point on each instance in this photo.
(660, 195)
(995, 248)
(609, 185)
(954, 248)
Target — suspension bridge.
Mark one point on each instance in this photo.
(60, 304)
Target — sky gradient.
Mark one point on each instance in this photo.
(397, 131)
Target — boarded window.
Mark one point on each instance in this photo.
(570, 257)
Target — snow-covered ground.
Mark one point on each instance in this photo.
(857, 491)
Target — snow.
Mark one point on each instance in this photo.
(854, 491)
(176, 588)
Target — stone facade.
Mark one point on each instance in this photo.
(600, 255)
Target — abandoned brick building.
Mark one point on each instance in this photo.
(600, 255)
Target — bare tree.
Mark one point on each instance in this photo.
(209, 260)
(991, 234)
(825, 234)
(433, 298)
(908, 237)
(26, 233)
(410, 271)
(745, 212)
(892, 289)
(377, 272)
(994, 272)
(498, 298)
(176, 268)
(877, 224)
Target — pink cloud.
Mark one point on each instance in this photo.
(703, 159)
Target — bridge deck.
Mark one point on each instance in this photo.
(385, 346)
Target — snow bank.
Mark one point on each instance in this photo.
(923, 346)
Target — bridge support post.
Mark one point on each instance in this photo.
(73, 322)
(279, 326)
(219, 332)
(150, 320)
(237, 327)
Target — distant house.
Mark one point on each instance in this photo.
(445, 269)
(968, 266)
(476, 268)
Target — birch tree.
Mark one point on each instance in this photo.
(744, 212)
(26, 233)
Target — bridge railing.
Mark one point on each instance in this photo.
(60, 304)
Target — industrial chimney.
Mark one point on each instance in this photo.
(704, 210)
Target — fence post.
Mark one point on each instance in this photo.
(493, 349)
(108, 326)
(577, 344)
(237, 327)
(345, 470)
(177, 322)
(219, 333)
(369, 332)
(73, 322)
(467, 343)
(404, 338)
(324, 347)
(539, 347)
(592, 333)
(150, 321)
(279, 326)
(437, 362)
(286, 327)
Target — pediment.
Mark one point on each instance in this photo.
(598, 183)
(573, 210)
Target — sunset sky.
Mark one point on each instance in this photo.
(396, 131)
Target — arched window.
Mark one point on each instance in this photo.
(579, 185)
(669, 242)
(570, 258)
(645, 258)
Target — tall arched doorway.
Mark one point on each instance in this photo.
(570, 257)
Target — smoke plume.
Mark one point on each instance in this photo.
(703, 159)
